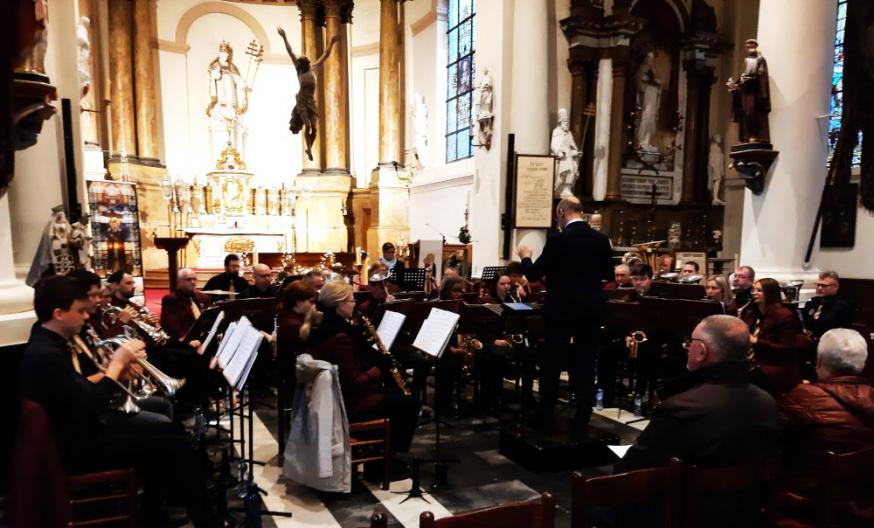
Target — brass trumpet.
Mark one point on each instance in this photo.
(633, 341)
(149, 332)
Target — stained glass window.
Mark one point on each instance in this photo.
(459, 79)
(837, 97)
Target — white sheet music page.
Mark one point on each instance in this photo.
(223, 345)
(209, 337)
(241, 363)
(389, 327)
(436, 331)
(233, 341)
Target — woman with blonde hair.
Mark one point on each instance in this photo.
(332, 335)
(717, 288)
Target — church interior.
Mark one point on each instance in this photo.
(437, 263)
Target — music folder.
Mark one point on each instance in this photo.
(238, 351)
(435, 332)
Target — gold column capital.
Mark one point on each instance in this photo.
(334, 8)
(308, 9)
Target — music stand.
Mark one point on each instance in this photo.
(490, 272)
(288, 280)
(413, 280)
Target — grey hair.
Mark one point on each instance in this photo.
(842, 351)
(182, 272)
(726, 336)
(622, 266)
(830, 275)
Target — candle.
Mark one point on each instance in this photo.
(358, 255)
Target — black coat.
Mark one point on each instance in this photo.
(836, 313)
(575, 262)
(223, 281)
(711, 416)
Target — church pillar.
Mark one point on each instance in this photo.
(617, 130)
(15, 297)
(390, 180)
(699, 79)
(580, 97)
(121, 92)
(336, 97)
(144, 84)
(797, 40)
(310, 48)
(343, 53)
(529, 113)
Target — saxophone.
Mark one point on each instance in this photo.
(393, 369)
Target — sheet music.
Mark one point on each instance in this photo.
(233, 341)
(619, 450)
(225, 340)
(219, 318)
(389, 327)
(436, 331)
(237, 370)
(518, 307)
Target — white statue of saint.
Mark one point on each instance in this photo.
(715, 168)
(228, 103)
(649, 90)
(420, 119)
(88, 118)
(484, 115)
(565, 150)
(80, 242)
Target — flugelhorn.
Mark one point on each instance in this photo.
(149, 332)
(168, 385)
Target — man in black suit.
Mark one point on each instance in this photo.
(742, 285)
(576, 262)
(228, 280)
(263, 286)
(826, 310)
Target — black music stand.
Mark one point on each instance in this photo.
(490, 272)
(413, 280)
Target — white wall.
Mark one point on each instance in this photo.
(854, 262)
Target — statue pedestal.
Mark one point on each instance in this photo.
(320, 210)
(752, 162)
(390, 207)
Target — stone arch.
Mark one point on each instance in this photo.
(224, 8)
(679, 9)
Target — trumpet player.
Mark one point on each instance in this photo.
(123, 289)
(75, 405)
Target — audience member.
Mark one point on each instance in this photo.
(826, 310)
(774, 329)
(742, 285)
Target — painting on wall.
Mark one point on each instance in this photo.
(115, 227)
(839, 207)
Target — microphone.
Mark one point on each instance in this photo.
(438, 232)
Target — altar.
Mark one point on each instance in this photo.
(213, 243)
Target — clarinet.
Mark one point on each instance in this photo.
(393, 369)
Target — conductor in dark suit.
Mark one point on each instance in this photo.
(576, 262)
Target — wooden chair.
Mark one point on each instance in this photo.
(757, 478)
(840, 478)
(385, 453)
(537, 513)
(105, 498)
(632, 488)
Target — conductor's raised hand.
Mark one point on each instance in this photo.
(524, 252)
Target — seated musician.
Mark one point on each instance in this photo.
(229, 280)
(666, 264)
(331, 336)
(520, 282)
(262, 287)
(390, 259)
(712, 416)
(742, 286)
(180, 309)
(826, 310)
(428, 262)
(641, 278)
(492, 360)
(621, 277)
(834, 414)
(154, 409)
(313, 279)
(773, 329)
(689, 269)
(451, 364)
(160, 452)
(716, 289)
(123, 289)
(297, 301)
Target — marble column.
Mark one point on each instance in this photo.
(144, 84)
(797, 39)
(617, 130)
(310, 32)
(529, 111)
(15, 297)
(121, 94)
(336, 97)
(390, 146)
(699, 79)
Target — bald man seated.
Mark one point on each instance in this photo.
(263, 286)
(181, 308)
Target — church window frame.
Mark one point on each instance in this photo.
(460, 71)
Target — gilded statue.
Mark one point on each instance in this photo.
(305, 114)
(750, 97)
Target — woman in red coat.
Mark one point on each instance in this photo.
(331, 336)
(773, 330)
